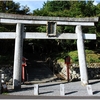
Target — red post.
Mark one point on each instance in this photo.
(67, 65)
(23, 73)
(67, 62)
(23, 68)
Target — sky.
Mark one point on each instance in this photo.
(32, 4)
(37, 4)
(96, 2)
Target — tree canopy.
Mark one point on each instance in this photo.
(53, 8)
(68, 9)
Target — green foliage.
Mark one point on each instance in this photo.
(41, 29)
(52, 6)
(89, 52)
(74, 56)
(12, 7)
(59, 48)
(72, 9)
(91, 56)
(68, 8)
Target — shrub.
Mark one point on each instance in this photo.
(91, 57)
(74, 56)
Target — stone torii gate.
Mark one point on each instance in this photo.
(51, 23)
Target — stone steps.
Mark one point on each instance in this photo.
(40, 72)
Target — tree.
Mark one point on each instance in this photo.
(70, 9)
(12, 7)
(7, 46)
(51, 8)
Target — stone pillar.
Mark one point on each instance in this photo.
(62, 93)
(89, 89)
(2, 78)
(36, 89)
(18, 57)
(81, 56)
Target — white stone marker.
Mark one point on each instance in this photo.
(2, 78)
(89, 89)
(36, 89)
(62, 90)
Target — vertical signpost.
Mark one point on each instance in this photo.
(23, 68)
(67, 62)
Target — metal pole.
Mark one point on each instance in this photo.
(81, 55)
(18, 57)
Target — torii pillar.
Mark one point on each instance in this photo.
(81, 56)
(18, 57)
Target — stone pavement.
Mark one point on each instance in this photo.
(53, 89)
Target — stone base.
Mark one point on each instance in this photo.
(17, 88)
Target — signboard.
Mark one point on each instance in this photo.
(51, 28)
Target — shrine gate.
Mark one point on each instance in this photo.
(51, 23)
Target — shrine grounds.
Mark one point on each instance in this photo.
(51, 90)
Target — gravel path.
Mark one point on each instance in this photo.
(53, 89)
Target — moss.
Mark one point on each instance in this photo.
(91, 56)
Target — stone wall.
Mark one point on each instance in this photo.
(8, 72)
(93, 70)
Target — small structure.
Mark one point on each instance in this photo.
(3, 84)
(19, 35)
(62, 92)
(89, 89)
(36, 89)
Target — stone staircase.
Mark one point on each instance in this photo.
(39, 72)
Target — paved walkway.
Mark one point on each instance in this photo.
(53, 89)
